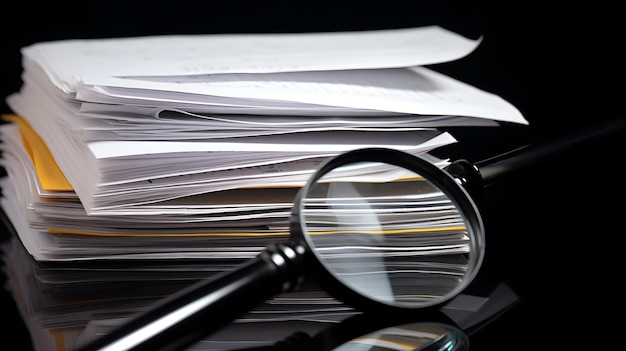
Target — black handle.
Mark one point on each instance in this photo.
(483, 173)
(202, 308)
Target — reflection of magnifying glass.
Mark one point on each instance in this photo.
(380, 229)
(362, 332)
(417, 336)
(411, 337)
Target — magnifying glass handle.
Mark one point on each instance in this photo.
(476, 176)
(206, 306)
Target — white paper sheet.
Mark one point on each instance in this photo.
(66, 62)
(413, 90)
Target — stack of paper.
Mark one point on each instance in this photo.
(182, 148)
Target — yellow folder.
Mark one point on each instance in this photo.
(50, 175)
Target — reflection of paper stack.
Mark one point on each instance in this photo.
(68, 304)
(193, 147)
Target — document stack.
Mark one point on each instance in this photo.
(138, 165)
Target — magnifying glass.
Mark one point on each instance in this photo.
(381, 230)
(384, 231)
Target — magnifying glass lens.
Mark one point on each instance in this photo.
(388, 233)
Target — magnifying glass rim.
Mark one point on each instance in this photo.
(444, 181)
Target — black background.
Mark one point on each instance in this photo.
(553, 231)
